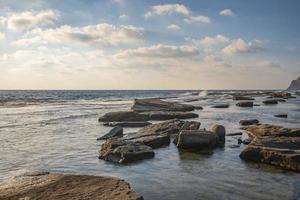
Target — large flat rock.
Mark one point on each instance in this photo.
(274, 145)
(54, 186)
(142, 105)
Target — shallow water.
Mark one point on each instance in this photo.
(57, 131)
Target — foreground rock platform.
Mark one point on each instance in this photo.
(274, 145)
(54, 186)
(142, 105)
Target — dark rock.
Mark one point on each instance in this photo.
(198, 107)
(240, 141)
(281, 94)
(142, 105)
(246, 141)
(50, 186)
(241, 98)
(115, 132)
(221, 106)
(295, 84)
(233, 146)
(249, 122)
(270, 102)
(245, 104)
(280, 100)
(234, 134)
(122, 116)
(220, 131)
(187, 125)
(274, 145)
(256, 105)
(124, 152)
(127, 124)
(281, 115)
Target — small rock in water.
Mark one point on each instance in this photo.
(234, 134)
(281, 115)
(241, 98)
(246, 141)
(234, 146)
(270, 102)
(221, 106)
(220, 131)
(240, 141)
(198, 107)
(115, 132)
(249, 122)
(127, 124)
(245, 104)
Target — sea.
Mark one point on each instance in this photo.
(57, 130)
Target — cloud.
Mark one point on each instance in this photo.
(227, 12)
(160, 51)
(99, 34)
(173, 27)
(211, 41)
(29, 19)
(167, 9)
(241, 46)
(200, 18)
(123, 16)
(2, 36)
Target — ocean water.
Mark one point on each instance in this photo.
(57, 131)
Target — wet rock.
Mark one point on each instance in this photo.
(122, 152)
(121, 116)
(256, 105)
(187, 125)
(245, 104)
(142, 105)
(221, 106)
(234, 134)
(241, 98)
(197, 140)
(220, 131)
(233, 146)
(281, 94)
(248, 122)
(281, 115)
(127, 124)
(274, 145)
(198, 107)
(167, 127)
(270, 102)
(115, 132)
(49, 186)
(280, 100)
(246, 141)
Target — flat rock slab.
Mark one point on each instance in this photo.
(53, 186)
(122, 116)
(270, 102)
(281, 115)
(245, 104)
(127, 124)
(241, 98)
(221, 106)
(142, 105)
(115, 132)
(274, 145)
(248, 122)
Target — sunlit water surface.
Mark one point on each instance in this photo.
(57, 131)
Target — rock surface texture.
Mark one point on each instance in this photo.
(53, 186)
(274, 145)
(295, 84)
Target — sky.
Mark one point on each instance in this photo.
(151, 44)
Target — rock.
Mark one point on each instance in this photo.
(281, 94)
(233, 146)
(295, 84)
(281, 115)
(124, 152)
(142, 105)
(115, 132)
(49, 186)
(274, 145)
(220, 131)
(234, 134)
(122, 116)
(241, 98)
(240, 141)
(270, 102)
(167, 127)
(127, 124)
(198, 140)
(245, 104)
(248, 122)
(221, 106)
(198, 107)
(280, 100)
(256, 105)
(187, 125)
(246, 141)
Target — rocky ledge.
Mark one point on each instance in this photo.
(49, 186)
(274, 145)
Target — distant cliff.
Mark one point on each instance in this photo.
(295, 84)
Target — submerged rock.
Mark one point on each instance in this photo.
(245, 104)
(121, 116)
(234, 134)
(127, 124)
(187, 125)
(220, 131)
(281, 94)
(142, 105)
(49, 186)
(274, 145)
(221, 106)
(281, 115)
(241, 98)
(270, 102)
(115, 132)
(248, 122)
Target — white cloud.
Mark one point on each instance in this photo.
(227, 12)
(211, 41)
(173, 27)
(160, 51)
(123, 16)
(167, 9)
(100, 34)
(241, 46)
(29, 19)
(2, 36)
(200, 18)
